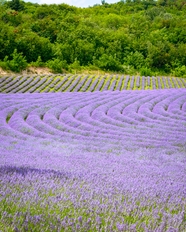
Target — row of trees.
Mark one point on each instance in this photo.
(144, 36)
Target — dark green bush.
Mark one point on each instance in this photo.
(16, 64)
(144, 71)
(57, 65)
(180, 71)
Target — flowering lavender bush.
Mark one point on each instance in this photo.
(93, 161)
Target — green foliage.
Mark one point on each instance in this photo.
(12, 17)
(37, 63)
(75, 65)
(153, 12)
(16, 64)
(180, 71)
(32, 46)
(135, 59)
(56, 65)
(144, 71)
(16, 5)
(2, 2)
(108, 63)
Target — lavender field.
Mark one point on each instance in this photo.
(83, 83)
(93, 161)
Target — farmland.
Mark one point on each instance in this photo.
(92, 153)
(82, 83)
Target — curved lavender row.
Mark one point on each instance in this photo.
(103, 118)
(29, 130)
(95, 122)
(68, 122)
(177, 107)
(148, 111)
(137, 113)
(5, 129)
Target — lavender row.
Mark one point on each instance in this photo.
(87, 84)
(113, 85)
(60, 84)
(27, 84)
(6, 80)
(67, 84)
(94, 84)
(120, 81)
(22, 87)
(100, 83)
(46, 83)
(80, 84)
(126, 82)
(74, 83)
(138, 82)
(106, 84)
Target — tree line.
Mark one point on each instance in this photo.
(140, 36)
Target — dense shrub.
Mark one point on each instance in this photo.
(16, 64)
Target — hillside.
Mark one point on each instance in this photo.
(147, 38)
